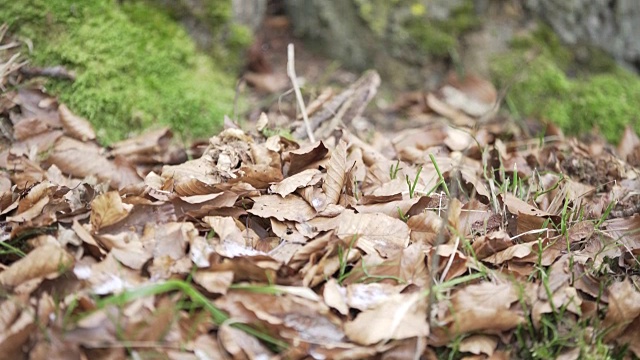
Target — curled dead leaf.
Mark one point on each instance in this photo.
(336, 173)
(42, 261)
(107, 209)
(76, 126)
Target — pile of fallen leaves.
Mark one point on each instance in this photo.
(459, 238)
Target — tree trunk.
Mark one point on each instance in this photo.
(612, 25)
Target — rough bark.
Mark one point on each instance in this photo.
(365, 34)
(612, 25)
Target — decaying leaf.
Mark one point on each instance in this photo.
(107, 209)
(624, 308)
(77, 127)
(456, 234)
(291, 207)
(336, 173)
(399, 317)
(485, 306)
(300, 180)
(43, 261)
(374, 232)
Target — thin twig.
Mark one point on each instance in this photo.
(450, 262)
(3, 30)
(55, 72)
(291, 72)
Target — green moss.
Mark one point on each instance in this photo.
(592, 99)
(376, 14)
(408, 20)
(213, 17)
(136, 67)
(438, 37)
(544, 40)
(429, 38)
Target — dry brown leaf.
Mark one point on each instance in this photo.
(85, 235)
(402, 316)
(368, 296)
(242, 345)
(42, 261)
(287, 230)
(36, 193)
(31, 213)
(406, 267)
(490, 244)
(206, 345)
(628, 142)
(149, 142)
(297, 318)
(458, 139)
(425, 227)
(170, 239)
(215, 282)
(452, 264)
(266, 82)
(580, 231)
(374, 232)
(336, 173)
(127, 248)
(624, 308)
(17, 332)
(302, 179)
(625, 231)
(457, 116)
(30, 127)
(517, 251)
(473, 94)
(200, 205)
(566, 298)
(484, 306)
(391, 208)
(291, 207)
(631, 337)
(479, 344)
(191, 177)
(259, 176)
(531, 227)
(85, 159)
(108, 209)
(76, 126)
(107, 276)
(517, 206)
(334, 296)
(314, 197)
(25, 173)
(225, 228)
(307, 157)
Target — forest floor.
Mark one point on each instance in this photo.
(468, 235)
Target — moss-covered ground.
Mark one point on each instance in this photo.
(136, 66)
(579, 94)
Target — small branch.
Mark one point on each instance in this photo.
(3, 30)
(56, 72)
(291, 72)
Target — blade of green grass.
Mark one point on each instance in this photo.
(219, 316)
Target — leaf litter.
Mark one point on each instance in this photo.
(463, 237)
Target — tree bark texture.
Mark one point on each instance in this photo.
(612, 25)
